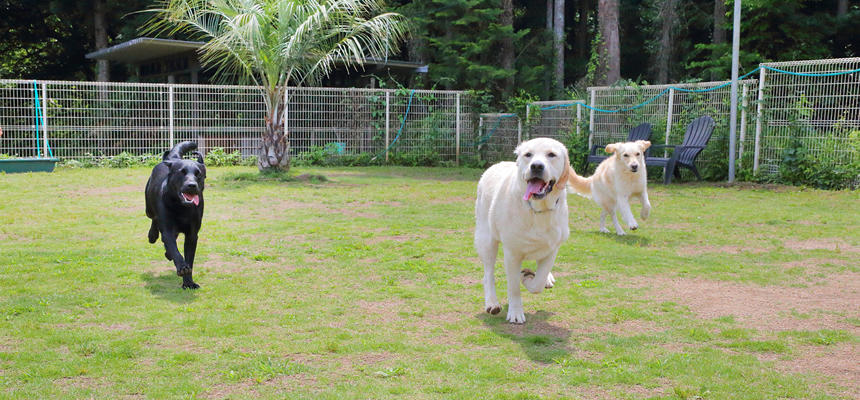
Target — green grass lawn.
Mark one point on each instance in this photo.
(367, 286)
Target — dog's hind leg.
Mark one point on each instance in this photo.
(646, 205)
(153, 231)
(603, 214)
(488, 249)
(618, 229)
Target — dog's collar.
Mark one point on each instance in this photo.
(529, 202)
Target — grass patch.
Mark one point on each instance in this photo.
(367, 286)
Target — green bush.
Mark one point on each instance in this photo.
(218, 157)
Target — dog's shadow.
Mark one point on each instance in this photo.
(628, 239)
(541, 340)
(168, 286)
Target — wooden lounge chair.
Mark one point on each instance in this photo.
(684, 155)
(641, 132)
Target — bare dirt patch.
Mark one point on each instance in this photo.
(624, 328)
(103, 190)
(78, 382)
(832, 244)
(393, 238)
(698, 250)
(770, 308)
(838, 363)
(639, 391)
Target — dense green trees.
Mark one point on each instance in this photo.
(502, 46)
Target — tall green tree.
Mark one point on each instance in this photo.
(472, 44)
(275, 43)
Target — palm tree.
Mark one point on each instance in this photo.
(275, 43)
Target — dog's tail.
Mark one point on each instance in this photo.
(177, 151)
(579, 184)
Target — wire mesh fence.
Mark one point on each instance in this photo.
(670, 114)
(819, 113)
(498, 136)
(94, 119)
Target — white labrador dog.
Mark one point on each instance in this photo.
(523, 206)
(618, 179)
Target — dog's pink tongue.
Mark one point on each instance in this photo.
(192, 198)
(534, 186)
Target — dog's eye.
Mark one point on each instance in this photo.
(637, 154)
(625, 155)
(528, 155)
(550, 155)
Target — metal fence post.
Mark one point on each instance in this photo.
(528, 125)
(759, 109)
(591, 121)
(669, 119)
(45, 118)
(387, 122)
(170, 113)
(457, 127)
(519, 130)
(286, 110)
(743, 133)
(579, 121)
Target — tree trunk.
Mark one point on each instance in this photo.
(547, 82)
(101, 39)
(610, 46)
(275, 146)
(719, 36)
(558, 42)
(508, 57)
(668, 21)
(581, 33)
(842, 8)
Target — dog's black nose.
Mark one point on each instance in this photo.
(537, 167)
(191, 185)
(634, 167)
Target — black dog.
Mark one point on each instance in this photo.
(174, 202)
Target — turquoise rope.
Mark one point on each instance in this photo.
(402, 124)
(812, 74)
(38, 119)
(486, 138)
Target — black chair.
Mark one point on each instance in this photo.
(684, 155)
(641, 132)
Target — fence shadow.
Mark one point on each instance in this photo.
(541, 340)
(168, 286)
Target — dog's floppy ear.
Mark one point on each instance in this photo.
(199, 157)
(517, 150)
(644, 144)
(610, 148)
(565, 175)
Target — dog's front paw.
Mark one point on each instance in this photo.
(190, 285)
(604, 230)
(516, 316)
(492, 308)
(633, 226)
(646, 211)
(183, 270)
(526, 275)
(550, 281)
